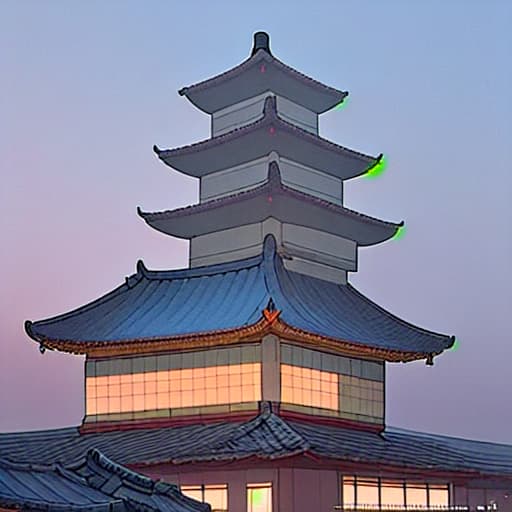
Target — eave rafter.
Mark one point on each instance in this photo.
(269, 323)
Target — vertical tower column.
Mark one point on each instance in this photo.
(270, 368)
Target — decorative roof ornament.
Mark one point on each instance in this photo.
(261, 42)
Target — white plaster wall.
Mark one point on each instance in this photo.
(271, 368)
(239, 114)
(251, 174)
(250, 110)
(311, 181)
(234, 179)
(228, 245)
(312, 252)
(297, 114)
(319, 247)
(232, 244)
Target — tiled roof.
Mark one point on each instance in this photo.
(321, 153)
(269, 436)
(321, 97)
(93, 483)
(172, 304)
(241, 208)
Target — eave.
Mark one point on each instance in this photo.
(224, 304)
(265, 326)
(258, 139)
(271, 199)
(259, 73)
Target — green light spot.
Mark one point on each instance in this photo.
(400, 232)
(455, 345)
(342, 104)
(376, 170)
(257, 497)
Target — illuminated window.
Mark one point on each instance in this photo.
(259, 497)
(215, 495)
(438, 495)
(306, 386)
(416, 495)
(392, 493)
(382, 494)
(359, 394)
(367, 492)
(169, 389)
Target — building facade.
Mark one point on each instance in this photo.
(255, 378)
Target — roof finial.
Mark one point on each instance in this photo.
(261, 42)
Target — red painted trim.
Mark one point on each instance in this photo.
(177, 421)
(202, 419)
(330, 421)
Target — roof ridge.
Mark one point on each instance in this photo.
(203, 271)
(273, 180)
(269, 115)
(256, 56)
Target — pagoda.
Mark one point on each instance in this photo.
(255, 378)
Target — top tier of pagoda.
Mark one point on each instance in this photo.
(265, 170)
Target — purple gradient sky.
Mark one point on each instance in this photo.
(89, 87)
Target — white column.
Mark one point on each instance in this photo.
(270, 371)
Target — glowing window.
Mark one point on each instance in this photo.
(381, 494)
(416, 495)
(170, 389)
(438, 495)
(306, 386)
(259, 497)
(368, 492)
(215, 495)
(392, 493)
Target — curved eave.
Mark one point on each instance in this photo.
(226, 304)
(260, 73)
(246, 334)
(272, 199)
(258, 139)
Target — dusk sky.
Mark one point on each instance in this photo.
(87, 88)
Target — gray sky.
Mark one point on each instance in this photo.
(88, 87)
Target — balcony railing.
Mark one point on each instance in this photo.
(416, 508)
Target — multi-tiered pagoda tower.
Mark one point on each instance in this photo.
(255, 377)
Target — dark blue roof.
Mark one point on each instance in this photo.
(93, 483)
(167, 304)
(268, 436)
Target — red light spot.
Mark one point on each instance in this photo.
(272, 130)
(269, 199)
(262, 68)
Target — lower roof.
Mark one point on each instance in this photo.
(92, 483)
(269, 437)
(157, 307)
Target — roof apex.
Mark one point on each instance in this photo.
(261, 42)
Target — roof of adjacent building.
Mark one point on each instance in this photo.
(257, 139)
(259, 73)
(92, 483)
(271, 199)
(219, 299)
(269, 436)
